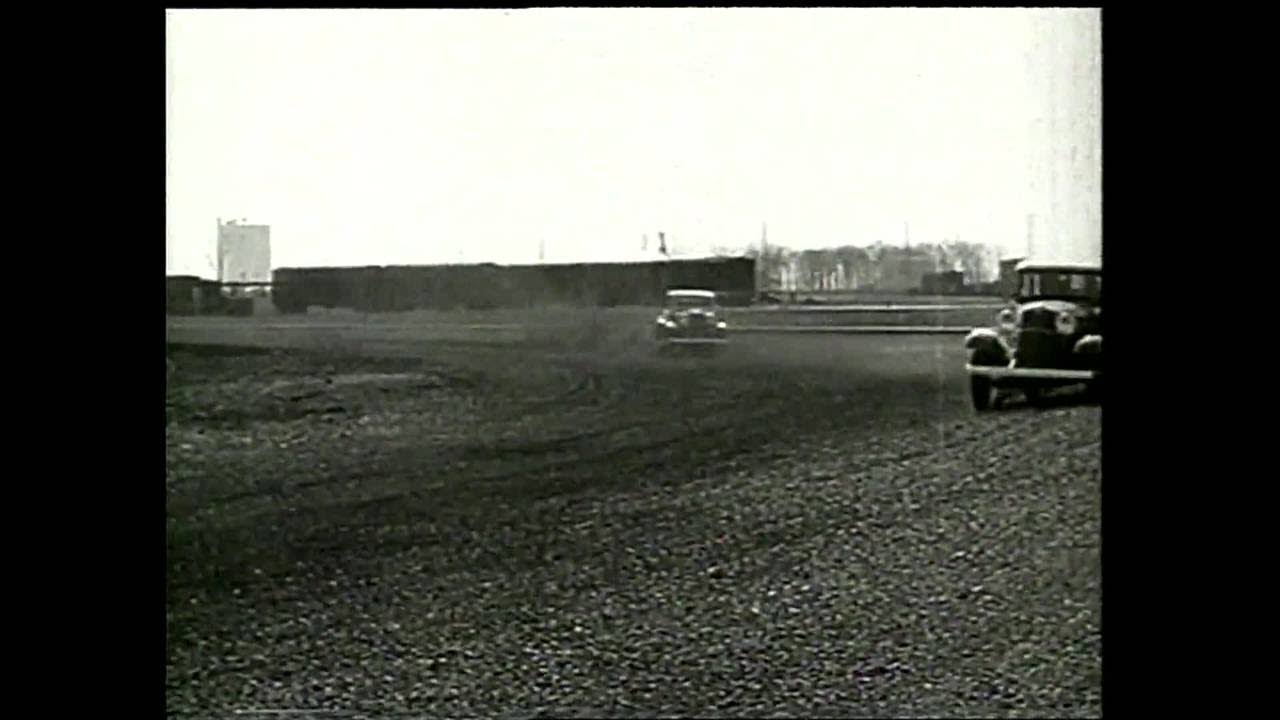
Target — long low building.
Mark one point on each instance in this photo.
(484, 286)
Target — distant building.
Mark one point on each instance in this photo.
(244, 253)
(190, 295)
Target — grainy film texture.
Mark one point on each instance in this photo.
(622, 363)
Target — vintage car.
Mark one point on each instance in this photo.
(1050, 336)
(690, 318)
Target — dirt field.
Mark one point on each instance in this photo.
(400, 522)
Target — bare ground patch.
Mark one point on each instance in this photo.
(799, 528)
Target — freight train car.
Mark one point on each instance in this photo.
(446, 287)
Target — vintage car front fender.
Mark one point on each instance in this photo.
(1089, 345)
(988, 342)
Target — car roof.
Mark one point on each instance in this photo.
(691, 293)
(1037, 265)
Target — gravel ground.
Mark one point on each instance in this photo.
(454, 534)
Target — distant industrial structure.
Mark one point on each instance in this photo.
(244, 254)
(243, 271)
(486, 286)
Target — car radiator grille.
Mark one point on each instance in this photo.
(1039, 319)
(1043, 349)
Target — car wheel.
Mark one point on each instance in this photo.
(980, 389)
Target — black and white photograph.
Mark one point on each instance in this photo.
(555, 362)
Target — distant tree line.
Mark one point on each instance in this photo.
(878, 267)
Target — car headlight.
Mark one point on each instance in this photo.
(1007, 319)
(1066, 323)
(722, 325)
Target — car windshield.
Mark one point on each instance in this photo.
(1061, 284)
(686, 302)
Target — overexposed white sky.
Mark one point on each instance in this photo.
(370, 137)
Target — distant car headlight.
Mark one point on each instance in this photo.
(722, 325)
(1066, 323)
